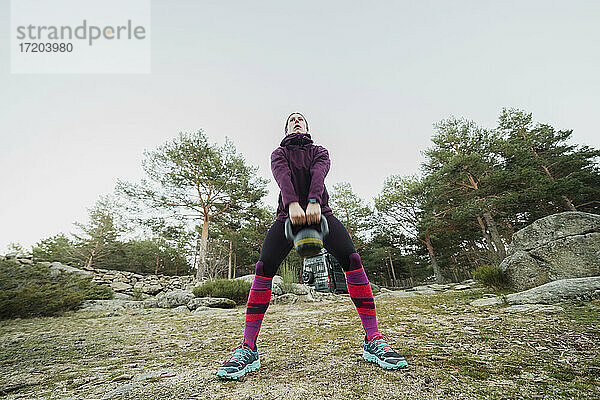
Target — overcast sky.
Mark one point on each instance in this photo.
(371, 78)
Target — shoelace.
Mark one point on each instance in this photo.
(240, 353)
(382, 343)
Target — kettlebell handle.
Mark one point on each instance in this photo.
(324, 227)
(290, 235)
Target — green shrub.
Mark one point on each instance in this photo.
(289, 274)
(30, 291)
(137, 294)
(93, 291)
(491, 276)
(236, 289)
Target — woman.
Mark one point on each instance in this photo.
(300, 167)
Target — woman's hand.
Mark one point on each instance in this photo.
(313, 213)
(296, 214)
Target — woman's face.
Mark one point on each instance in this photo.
(296, 124)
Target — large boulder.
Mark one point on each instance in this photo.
(175, 298)
(277, 287)
(213, 302)
(560, 246)
(575, 289)
(57, 268)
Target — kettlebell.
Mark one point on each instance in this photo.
(308, 242)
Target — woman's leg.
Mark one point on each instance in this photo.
(339, 244)
(274, 250)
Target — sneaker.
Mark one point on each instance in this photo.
(377, 350)
(243, 360)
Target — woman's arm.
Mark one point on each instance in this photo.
(283, 177)
(318, 172)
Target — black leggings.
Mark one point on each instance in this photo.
(276, 247)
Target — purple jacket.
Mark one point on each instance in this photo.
(300, 167)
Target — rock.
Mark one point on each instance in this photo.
(277, 282)
(181, 309)
(150, 303)
(25, 261)
(534, 308)
(557, 291)
(277, 290)
(149, 311)
(138, 381)
(287, 298)
(161, 373)
(461, 287)
(424, 290)
(246, 278)
(216, 302)
(119, 391)
(120, 286)
(57, 268)
(578, 289)
(559, 246)
(110, 305)
(151, 289)
(123, 377)
(202, 309)
(123, 296)
(175, 298)
(488, 301)
(395, 293)
(299, 289)
(553, 227)
(438, 286)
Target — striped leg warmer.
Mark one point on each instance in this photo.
(362, 295)
(258, 302)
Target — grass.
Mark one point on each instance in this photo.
(312, 350)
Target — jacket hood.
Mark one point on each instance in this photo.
(299, 139)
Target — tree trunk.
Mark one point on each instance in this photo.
(195, 266)
(495, 236)
(569, 203)
(156, 267)
(90, 259)
(234, 264)
(436, 269)
(229, 269)
(486, 235)
(395, 282)
(201, 272)
(387, 269)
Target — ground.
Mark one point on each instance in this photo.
(308, 351)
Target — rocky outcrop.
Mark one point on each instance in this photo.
(576, 289)
(213, 302)
(122, 282)
(560, 246)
